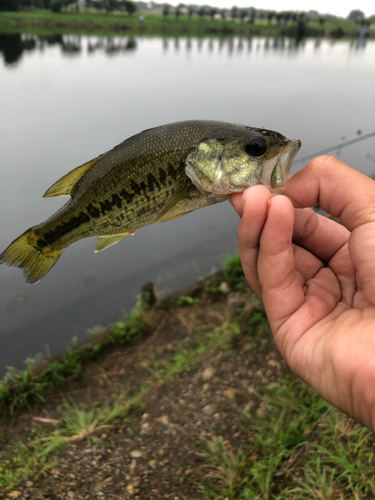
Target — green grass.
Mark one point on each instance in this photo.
(31, 459)
(20, 391)
(334, 456)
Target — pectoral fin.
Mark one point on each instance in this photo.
(180, 196)
(173, 217)
(65, 185)
(107, 241)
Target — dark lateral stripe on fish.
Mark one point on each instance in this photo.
(64, 228)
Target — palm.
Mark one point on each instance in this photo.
(319, 291)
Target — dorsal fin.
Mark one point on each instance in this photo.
(65, 185)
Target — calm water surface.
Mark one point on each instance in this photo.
(67, 99)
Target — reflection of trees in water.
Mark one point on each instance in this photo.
(13, 46)
(231, 45)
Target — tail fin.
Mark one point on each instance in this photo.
(24, 253)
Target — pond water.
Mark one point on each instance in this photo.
(66, 99)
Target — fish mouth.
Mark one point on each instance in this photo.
(275, 171)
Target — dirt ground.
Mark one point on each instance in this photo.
(163, 449)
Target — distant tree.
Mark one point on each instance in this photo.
(130, 7)
(321, 20)
(356, 15)
(243, 14)
(166, 9)
(109, 5)
(287, 16)
(213, 12)
(201, 12)
(293, 16)
(191, 11)
(234, 12)
(279, 17)
(8, 5)
(55, 5)
(223, 13)
(252, 16)
(270, 16)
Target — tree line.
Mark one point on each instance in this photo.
(249, 14)
(57, 5)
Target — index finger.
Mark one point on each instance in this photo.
(340, 190)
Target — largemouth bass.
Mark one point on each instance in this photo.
(155, 176)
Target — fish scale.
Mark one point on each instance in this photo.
(154, 176)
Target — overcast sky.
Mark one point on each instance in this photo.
(336, 7)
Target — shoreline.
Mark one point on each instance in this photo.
(46, 22)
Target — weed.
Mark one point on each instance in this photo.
(187, 301)
(233, 273)
(19, 391)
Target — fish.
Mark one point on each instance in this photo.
(155, 176)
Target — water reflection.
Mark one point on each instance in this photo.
(13, 46)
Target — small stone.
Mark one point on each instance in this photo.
(230, 394)
(274, 363)
(163, 419)
(130, 489)
(217, 416)
(152, 464)
(136, 481)
(144, 416)
(205, 387)
(208, 373)
(103, 436)
(29, 484)
(145, 427)
(136, 453)
(133, 465)
(272, 385)
(209, 409)
(224, 287)
(15, 494)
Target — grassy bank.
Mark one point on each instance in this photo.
(45, 21)
(188, 398)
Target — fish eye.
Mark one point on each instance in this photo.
(257, 147)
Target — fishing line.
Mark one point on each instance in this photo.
(338, 146)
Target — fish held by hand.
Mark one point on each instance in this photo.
(155, 176)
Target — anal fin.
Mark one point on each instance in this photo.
(65, 185)
(107, 241)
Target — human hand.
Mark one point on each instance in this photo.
(317, 278)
